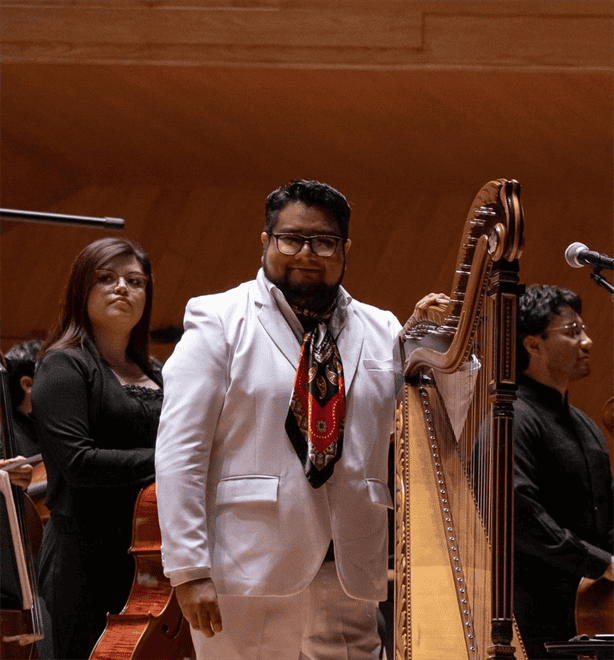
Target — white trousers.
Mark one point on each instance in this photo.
(319, 623)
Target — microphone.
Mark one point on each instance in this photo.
(61, 219)
(578, 255)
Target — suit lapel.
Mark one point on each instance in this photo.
(276, 326)
(350, 344)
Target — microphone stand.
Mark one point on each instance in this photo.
(597, 277)
(61, 219)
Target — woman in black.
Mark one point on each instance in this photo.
(96, 402)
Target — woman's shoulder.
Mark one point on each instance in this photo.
(70, 358)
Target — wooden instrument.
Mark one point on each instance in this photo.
(33, 505)
(594, 610)
(19, 628)
(454, 488)
(595, 607)
(151, 624)
(37, 492)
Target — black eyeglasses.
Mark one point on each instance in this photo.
(321, 246)
(108, 279)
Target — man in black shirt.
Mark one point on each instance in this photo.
(564, 526)
(21, 362)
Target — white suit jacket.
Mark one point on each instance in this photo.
(233, 500)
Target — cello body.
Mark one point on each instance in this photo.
(14, 624)
(37, 491)
(151, 624)
(595, 607)
(594, 613)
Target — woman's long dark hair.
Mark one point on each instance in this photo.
(74, 327)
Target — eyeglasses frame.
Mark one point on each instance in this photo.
(118, 276)
(570, 326)
(307, 239)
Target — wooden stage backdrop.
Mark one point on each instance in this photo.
(180, 117)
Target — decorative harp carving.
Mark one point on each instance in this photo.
(454, 535)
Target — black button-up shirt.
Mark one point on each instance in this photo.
(563, 484)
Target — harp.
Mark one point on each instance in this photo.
(453, 453)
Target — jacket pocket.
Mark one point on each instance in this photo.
(379, 493)
(247, 488)
(378, 365)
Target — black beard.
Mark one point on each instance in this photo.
(313, 299)
(306, 296)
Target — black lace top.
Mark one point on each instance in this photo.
(147, 407)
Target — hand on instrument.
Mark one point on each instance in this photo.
(432, 302)
(609, 571)
(20, 476)
(198, 602)
(430, 308)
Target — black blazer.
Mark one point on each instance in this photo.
(97, 436)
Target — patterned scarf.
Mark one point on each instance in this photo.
(317, 409)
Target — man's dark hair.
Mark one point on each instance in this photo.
(536, 307)
(20, 361)
(312, 193)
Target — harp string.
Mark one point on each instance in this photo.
(462, 418)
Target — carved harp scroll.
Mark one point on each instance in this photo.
(454, 506)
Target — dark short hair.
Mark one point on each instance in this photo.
(74, 326)
(312, 193)
(536, 307)
(20, 361)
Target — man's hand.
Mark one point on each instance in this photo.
(609, 571)
(21, 476)
(198, 602)
(430, 308)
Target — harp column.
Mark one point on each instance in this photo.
(502, 297)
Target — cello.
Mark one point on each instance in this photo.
(151, 624)
(595, 598)
(37, 491)
(595, 607)
(20, 627)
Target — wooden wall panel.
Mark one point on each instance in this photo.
(182, 117)
(296, 24)
(309, 32)
(489, 39)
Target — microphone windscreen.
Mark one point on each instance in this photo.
(572, 252)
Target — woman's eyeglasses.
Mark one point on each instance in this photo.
(109, 279)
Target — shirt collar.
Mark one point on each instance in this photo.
(336, 323)
(543, 393)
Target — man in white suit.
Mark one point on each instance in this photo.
(271, 459)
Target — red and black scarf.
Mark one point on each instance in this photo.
(316, 416)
